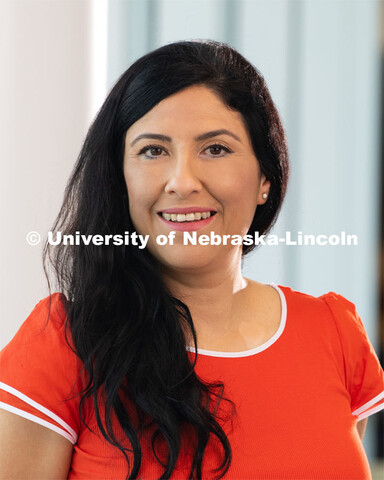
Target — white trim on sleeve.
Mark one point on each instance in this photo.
(371, 411)
(369, 404)
(42, 409)
(29, 416)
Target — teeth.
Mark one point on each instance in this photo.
(188, 217)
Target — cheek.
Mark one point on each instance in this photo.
(139, 193)
(240, 188)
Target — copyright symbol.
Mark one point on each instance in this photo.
(33, 238)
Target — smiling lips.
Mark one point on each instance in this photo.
(183, 219)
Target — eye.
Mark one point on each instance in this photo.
(152, 151)
(216, 150)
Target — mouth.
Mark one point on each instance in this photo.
(187, 217)
(187, 221)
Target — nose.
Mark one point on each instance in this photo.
(183, 179)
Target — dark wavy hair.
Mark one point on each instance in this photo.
(125, 324)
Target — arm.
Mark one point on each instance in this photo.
(29, 450)
(361, 426)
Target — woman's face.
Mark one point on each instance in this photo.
(191, 154)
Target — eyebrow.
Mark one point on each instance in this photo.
(199, 138)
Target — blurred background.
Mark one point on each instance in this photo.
(323, 61)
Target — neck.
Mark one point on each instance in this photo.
(213, 296)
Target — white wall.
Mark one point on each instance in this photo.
(45, 98)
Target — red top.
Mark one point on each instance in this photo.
(298, 396)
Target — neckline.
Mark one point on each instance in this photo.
(260, 348)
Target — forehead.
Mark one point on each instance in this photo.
(195, 108)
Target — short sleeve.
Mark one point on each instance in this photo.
(39, 371)
(364, 376)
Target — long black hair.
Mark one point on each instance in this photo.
(127, 328)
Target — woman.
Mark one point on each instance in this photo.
(110, 385)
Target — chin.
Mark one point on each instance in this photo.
(186, 258)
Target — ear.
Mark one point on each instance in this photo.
(264, 188)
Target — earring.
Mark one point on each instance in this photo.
(265, 196)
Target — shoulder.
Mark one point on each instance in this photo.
(42, 342)
(40, 370)
(305, 303)
(332, 316)
(46, 324)
(331, 302)
(330, 311)
(335, 319)
(52, 308)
